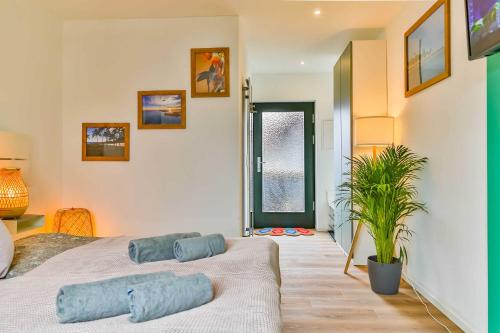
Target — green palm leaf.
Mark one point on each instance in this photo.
(381, 194)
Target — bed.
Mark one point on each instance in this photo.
(246, 282)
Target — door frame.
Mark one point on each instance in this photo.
(313, 152)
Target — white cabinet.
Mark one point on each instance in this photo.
(360, 90)
(24, 225)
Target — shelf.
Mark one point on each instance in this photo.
(24, 223)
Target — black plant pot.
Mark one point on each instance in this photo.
(384, 278)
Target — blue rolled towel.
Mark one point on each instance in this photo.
(159, 298)
(200, 247)
(156, 248)
(100, 299)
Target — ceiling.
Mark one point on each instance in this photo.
(278, 35)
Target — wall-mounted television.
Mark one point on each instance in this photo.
(483, 26)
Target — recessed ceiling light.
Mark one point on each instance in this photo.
(302, 62)
(317, 12)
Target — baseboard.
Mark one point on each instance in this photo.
(441, 307)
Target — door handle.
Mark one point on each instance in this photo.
(260, 162)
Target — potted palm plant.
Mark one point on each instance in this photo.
(380, 193)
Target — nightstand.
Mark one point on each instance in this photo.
(24, 223)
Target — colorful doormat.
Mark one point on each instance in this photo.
(284, 231)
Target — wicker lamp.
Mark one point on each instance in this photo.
(74, 221)
(14, 199)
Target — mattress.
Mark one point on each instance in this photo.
(246, 282)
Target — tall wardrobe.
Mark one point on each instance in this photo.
(342, 144)
(360, 90)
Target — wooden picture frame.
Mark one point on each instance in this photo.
(167, 109)
(201, 63)
(417, 81)
(109, 146)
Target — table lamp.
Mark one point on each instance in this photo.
(374, 132)
(14, 198)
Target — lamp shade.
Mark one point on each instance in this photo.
(374, 131)
(13, 194)
(74, 221)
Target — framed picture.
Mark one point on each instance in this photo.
(162, 109)
(427, 49)
(105, 142)
(210, 72)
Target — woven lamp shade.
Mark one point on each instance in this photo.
(14, 199)
(74, 221)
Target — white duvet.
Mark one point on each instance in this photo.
(246, 282)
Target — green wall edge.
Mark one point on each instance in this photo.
(493, 128)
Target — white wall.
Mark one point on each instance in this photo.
(316, 87)
(30, 93)
(447, 123)
(176, 180)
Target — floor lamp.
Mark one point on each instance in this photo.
(370, 132)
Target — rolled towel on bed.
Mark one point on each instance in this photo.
(100, 299)
(200, 247)
(156, 248)
(159, 298)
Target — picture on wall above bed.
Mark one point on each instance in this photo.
(105, 142)
(210, 72)
(427, 49)
(162, 109)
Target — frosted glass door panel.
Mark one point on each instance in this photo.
(283, 182)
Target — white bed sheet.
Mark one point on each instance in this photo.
(246, 281)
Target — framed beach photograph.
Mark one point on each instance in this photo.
(162, 109)
(105, 142)
(210, 72)
(427, 49)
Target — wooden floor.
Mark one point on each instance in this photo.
(318, 297)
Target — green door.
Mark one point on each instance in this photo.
(283, 165)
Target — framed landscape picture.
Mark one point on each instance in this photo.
(210, 72)
(427, 49)
(105, 142)
(162, 109)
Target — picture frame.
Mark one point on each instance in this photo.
(161, 109)
(427, 49)
(210, 75)
(105, 141)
